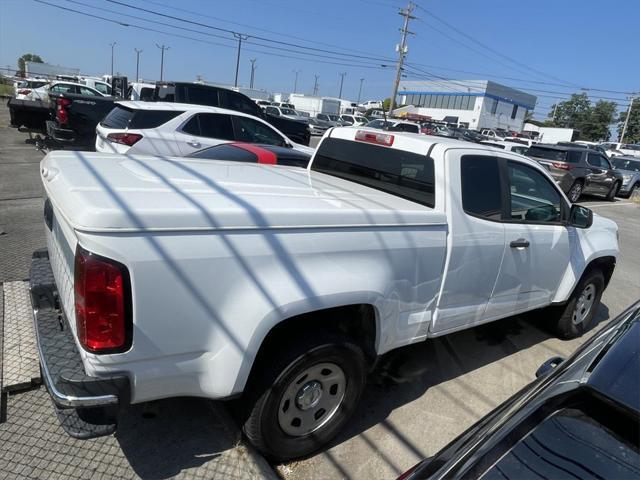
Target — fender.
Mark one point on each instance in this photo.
(587, 245)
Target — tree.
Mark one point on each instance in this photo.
(632, 135)
(571, 113)
(596, 128)
(591, 121)
(27, 57)
(386, 103)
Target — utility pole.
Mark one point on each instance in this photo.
(341, 82)
(138, 52)
(626, 120)
(295, 83)
(360, 90)
(555, 108)
(315, 85)
(240, 37)
(112, 45)
(402, 51)
(163, 48)
(253, 69)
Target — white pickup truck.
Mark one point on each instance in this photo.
(184, 277)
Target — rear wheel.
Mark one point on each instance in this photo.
(576, 316)
(611, 196)
(575, 191)
(304, 398)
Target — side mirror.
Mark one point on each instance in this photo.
(549, 365)
(580, 217)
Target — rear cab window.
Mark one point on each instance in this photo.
(404, 174)
(122, 118)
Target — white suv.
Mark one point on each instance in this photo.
(176, 129)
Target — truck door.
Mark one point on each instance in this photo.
(536, 252)
(476, 239)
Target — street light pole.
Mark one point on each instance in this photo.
(112, 45)
(138, 52)
(240, 37)
(295, 83)
(342, 75)
(163, 48)
(360, 90)
(253, 69)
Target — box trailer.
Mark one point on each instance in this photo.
(314, 105)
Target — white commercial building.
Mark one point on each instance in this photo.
(475, 104)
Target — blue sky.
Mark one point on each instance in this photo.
(552, 45)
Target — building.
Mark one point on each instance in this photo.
(475, 104)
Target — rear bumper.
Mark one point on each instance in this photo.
(86, 405)
(63, 135)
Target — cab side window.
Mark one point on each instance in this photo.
(481, 191)
(532, 197)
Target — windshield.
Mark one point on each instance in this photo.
(631, 147)
(626, 164)
(287, 111)
(335, 118)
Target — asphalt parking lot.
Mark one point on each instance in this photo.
(418, 399)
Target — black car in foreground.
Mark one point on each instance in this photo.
(579, 420)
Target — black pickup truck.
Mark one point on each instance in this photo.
(75, 117)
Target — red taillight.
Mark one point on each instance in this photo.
(24, 91)
(128, 139)
(61, 113)
(102, 303)
(562, 166)
(374, 137)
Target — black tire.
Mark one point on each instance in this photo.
(611, 196)
(575, 191)
(569, 326)
(631, 191)
(271, 383)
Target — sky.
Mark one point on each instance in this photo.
(549, 48)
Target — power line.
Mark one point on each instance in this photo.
(289, 44)
(177, 35)
(486, 47)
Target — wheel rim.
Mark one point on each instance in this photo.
(576, 190)
(584, 304)
(312, 399)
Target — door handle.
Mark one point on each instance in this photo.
(519, 243)
(194, 143)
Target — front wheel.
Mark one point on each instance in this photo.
(575, 191)
(611, 196)
(577, 315)
(305, 397)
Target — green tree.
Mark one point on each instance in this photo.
(27, 57)
(596, 127)
(571, 113)
(632, 135)
(386, 103)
